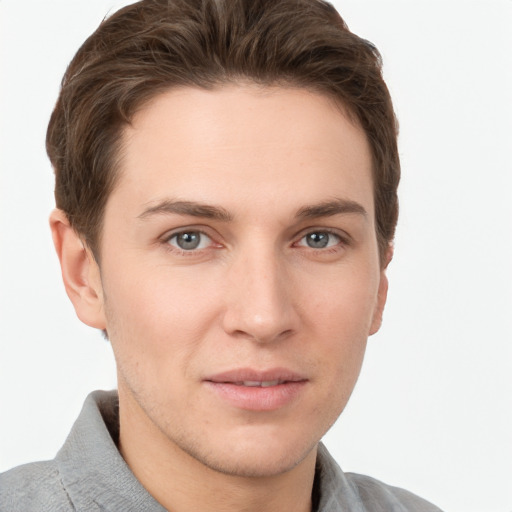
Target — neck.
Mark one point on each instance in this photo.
(181, 483)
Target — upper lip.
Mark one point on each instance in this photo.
(252, 375)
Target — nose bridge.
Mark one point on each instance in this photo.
(260, 302)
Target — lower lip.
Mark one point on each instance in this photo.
(258, 398)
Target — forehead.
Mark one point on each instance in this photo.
(245, 144)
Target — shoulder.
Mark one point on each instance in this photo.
(378, 496)
(351, 492)
(34, 487)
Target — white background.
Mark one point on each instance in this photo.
(432, 411)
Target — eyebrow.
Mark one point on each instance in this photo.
(187, 208)
(195, 209)
(331, 208)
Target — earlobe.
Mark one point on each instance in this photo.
(382, 293)
(80, 272)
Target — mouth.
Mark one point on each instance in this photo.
(258, 384)
(253, 378)
(257, 390)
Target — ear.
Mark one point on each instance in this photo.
(382, 293)
(80, 272)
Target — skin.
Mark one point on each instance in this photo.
(254, 294)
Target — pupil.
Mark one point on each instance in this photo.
(318, 240)
(188, 241)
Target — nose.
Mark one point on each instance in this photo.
(260, 294)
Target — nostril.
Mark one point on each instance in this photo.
(262, 337)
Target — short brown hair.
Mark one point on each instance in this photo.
(154, 45)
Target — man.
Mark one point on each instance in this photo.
(226, 176)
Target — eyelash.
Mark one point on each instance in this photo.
(344, 241)
(183, 252)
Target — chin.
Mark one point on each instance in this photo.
(254, 456)
(250, 465)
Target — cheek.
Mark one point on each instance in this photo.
(156, 323)
(341, 318)
(343, 305)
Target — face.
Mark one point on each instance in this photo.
(240, 273)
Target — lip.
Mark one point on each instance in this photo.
(280, 387)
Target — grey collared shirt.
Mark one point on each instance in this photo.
(89, 474)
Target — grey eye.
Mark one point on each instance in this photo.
(190, 240)
(317, 240)
(320, 240)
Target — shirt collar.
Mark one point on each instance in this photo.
(93, 472)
